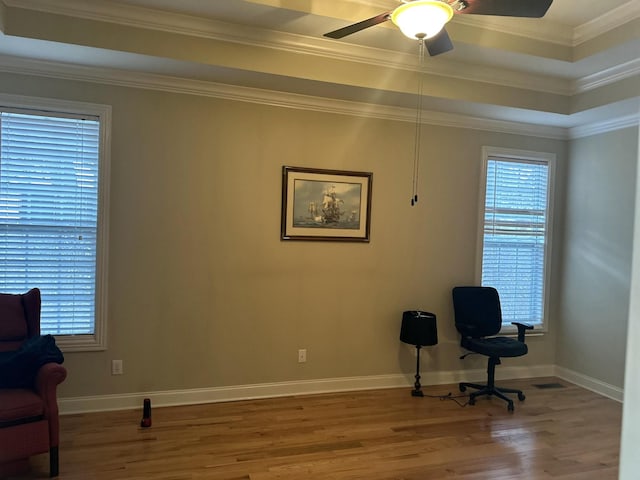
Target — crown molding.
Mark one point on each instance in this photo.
(268, 97)
(141, 17)
(555, 32)
(148, 81)
(135, 16)
(189, 25)
(617, 17)
(607, 76)
(165, 83)
(604, 126)
(300, 44)
(132, 15)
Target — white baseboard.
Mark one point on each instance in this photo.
(227, 394)
(605, 389)
(129, 401)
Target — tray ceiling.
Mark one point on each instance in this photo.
(573, 68)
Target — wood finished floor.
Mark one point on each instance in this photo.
(564, 433)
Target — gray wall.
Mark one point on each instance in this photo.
(629, 459)
(593, 298)
(202, 292)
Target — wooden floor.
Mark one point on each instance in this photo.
(556, 433)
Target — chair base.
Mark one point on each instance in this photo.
(491, 391)
(490, 388)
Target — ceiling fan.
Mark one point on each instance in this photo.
(425, 19)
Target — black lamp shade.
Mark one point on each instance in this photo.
(419, 328)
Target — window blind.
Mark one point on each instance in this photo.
(515, 232)
(48, 214)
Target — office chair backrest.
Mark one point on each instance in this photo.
(477, 311)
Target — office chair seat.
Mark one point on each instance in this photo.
(495, 346)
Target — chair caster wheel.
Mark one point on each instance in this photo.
(521, 396)
(510, 407)
(462, 388)
(472, 400)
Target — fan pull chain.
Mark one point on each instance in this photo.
(418, 130)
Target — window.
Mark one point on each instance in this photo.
(515, 236)
(53, 183)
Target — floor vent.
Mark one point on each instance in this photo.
(548, 385)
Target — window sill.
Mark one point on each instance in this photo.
(80, 343)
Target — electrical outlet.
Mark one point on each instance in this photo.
(116, 367)
(302, 355)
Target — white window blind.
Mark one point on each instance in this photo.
(48, 214)
(515, 236)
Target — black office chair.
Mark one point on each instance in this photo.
(478, 318)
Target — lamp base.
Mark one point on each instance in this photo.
(417, 392)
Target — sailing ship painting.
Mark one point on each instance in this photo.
(321, 204)
(327, 204)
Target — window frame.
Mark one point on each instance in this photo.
(98, 340)
(516, 155)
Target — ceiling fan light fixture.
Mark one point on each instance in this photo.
(422, 18)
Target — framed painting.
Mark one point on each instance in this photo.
(325, 205)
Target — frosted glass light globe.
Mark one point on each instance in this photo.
(422, 18)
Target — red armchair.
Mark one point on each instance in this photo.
(28, 416)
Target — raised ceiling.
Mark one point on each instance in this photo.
(577, 68)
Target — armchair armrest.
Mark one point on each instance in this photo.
(49, 376)
(522, 327)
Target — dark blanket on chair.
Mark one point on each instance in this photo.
(19, 369)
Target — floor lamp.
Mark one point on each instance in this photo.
(419, 329)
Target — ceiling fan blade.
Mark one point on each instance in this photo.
(441, 43)
(356, 27)
(507, 8)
